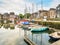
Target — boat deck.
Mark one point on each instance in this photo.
(56, 43)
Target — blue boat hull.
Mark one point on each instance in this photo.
(39, 30)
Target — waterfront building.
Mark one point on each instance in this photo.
(52, 13)
(43, 14)
(16, 19)
(32, 16)
(12, 17)
(58, 11)
(5, 17)
(35, 15)
(1, 17)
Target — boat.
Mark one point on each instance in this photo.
(26, 23)
(39, 29)
(24, 27)
(55, 36)
(29, 28)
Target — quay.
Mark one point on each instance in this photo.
(30, 42)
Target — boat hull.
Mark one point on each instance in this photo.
(39, 30)
(53, 38)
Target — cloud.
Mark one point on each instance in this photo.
(12, 5)
(55, 3)
(18, 6)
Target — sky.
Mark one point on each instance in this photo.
(20, 6)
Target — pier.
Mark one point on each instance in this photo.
(30, 42)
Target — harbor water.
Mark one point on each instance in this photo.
(40, 38)
(16, 36)
(12, 36)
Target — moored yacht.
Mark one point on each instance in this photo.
(55, 36)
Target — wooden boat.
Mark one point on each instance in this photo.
(55, 36)
(39, 29)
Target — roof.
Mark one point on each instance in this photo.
(0, 14)
(58, 6)
(12, 13)
(36, 13)
(5, 14)
(52, 9)
(43, 11)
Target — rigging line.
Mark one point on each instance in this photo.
(29, 9)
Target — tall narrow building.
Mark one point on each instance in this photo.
(52, 13)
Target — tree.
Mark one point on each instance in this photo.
(21, 16)
(27, 15)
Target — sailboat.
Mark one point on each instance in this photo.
(40, 28)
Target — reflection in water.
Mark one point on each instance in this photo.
(11, 37)
(40, 38)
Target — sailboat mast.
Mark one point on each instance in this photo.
(36, 10)
(25, 11)
(32, 7)
(42, 23)
(41, 4)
